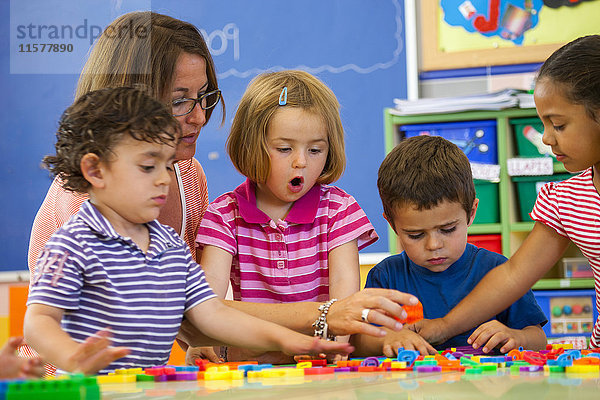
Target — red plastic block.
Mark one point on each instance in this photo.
(534, 358)
(319, 371)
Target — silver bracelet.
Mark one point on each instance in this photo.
(320, 324)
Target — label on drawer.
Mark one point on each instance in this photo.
(487, 172)
(529, 166)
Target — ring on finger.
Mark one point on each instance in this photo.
(365, 314)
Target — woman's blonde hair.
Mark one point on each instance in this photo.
(247, 142)
(141, 49)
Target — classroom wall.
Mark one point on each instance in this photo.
(356, 47)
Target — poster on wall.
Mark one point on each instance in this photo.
(471, 33)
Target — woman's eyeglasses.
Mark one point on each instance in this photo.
(185, 106)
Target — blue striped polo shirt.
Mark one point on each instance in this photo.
(101, 279)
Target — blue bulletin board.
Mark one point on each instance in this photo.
(355, 47)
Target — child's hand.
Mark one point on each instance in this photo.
(433, 331)
(13, 367)
(302, 344)
(95, 353)
(496, 333)
(269, 357)
(407, 339)
(208, 353)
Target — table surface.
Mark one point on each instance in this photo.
(374, 385)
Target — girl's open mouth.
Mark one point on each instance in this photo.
(296, 184)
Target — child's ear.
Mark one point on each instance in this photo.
(391, 223)
(473, 211)
(92, 170)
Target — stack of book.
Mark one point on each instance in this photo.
(507, 98)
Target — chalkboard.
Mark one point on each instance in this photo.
(355, 46)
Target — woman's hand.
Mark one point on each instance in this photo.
(345, 316)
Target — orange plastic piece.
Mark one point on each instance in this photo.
(587, 361)
(233, 365)
(348, 363)
(414, 314)
(515, 354)
(444, 362)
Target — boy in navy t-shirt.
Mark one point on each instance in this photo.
(428, 197)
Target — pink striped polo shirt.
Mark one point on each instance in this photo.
(572, 209)
(283, 261)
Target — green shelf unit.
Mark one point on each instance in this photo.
(521, 226)
(506, 202)
(480, 229)
(554, 284)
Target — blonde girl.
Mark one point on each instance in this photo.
(285, 235)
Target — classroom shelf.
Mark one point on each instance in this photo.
(552, 284)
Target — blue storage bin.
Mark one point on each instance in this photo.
(476, 138)
(569, 312)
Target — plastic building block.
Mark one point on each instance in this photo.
(398, 364)
(564, 360)
(531, 368)
(128, 371)
(186, 376)
(414, 314)
(370, 362)
(534, 358)
(319, 371)
(425, 362)
(465, 361)
(583, 369)
(319, 363)
(428, 368)
(103, 379)
(144, 378)
(409, 356)
(59, 389)
(223, 375)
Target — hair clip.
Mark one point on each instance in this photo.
(283, 96)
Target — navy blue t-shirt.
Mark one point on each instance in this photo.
(439, 292)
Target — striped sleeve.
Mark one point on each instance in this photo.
(197, 288)
(218, 225)
(546, 210)
(58, 207)
(58, 280)
(348, 221)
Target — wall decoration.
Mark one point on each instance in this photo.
(475, 33)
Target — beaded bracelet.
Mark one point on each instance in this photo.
(320, 324)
